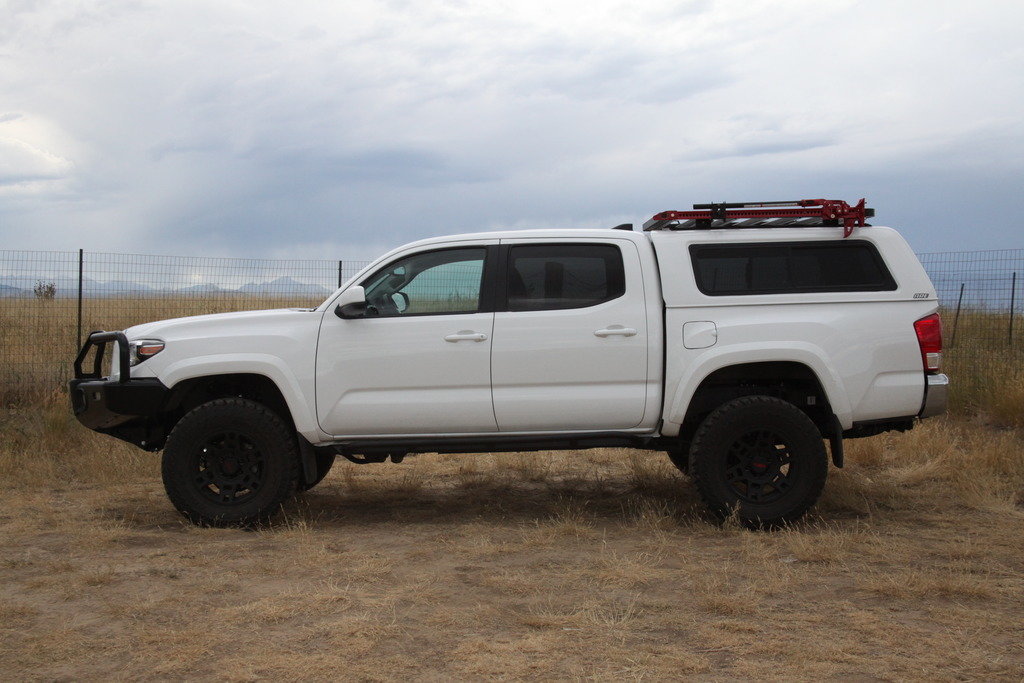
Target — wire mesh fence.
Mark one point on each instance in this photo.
(49, 299)
(980, 293)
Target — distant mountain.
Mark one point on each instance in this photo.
(204, 288)
(116, 287)
(21, 286)
(66, 286)
(284, 286)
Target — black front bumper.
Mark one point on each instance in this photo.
(102, 404)
(129, 409)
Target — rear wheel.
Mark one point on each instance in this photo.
(231, 461)
(760, 456)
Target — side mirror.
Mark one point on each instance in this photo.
(351, 303)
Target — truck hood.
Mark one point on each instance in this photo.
(279, 344)
(221, 324)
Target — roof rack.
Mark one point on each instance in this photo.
(808, 213)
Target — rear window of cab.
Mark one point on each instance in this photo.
(789, 268)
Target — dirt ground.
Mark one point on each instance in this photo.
(567, 565)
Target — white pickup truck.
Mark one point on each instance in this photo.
(739, 347)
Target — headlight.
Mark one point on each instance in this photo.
(141, 349)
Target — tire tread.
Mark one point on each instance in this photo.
(230, 408)
(707, 433)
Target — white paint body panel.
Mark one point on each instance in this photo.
(278, 344)
(574, 369)
(400, 376)
(861, 345)
(546, 372)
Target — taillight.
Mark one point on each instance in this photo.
(929, 338)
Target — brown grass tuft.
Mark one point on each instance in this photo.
(928, 583)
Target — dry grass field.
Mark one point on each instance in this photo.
(569, 565)
(578, 565)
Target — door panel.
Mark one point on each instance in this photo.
(401, 376)
(571, 368)
(411, 367)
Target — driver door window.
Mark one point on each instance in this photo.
(429, 283)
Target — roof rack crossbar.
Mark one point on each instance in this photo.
(802, 213)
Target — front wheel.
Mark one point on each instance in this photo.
(761, 457)
(231, 461)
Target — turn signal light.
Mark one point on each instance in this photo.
(140, 350)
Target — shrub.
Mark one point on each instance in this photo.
(45, 290)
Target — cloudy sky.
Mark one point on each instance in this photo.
(339, 129)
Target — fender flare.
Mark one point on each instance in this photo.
(269, 366)
(713, 360)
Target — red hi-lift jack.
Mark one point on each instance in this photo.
(809, 212)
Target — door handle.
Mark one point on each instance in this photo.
(616, 330)
(466, 335)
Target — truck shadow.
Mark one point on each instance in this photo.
(377, 495)
(498, 500)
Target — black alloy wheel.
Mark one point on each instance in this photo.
(758, 466)
(761, 458)
(229, 469)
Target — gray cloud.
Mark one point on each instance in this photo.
(386, 165)
(337, 128)
(774, 144)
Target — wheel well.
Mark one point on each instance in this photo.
(190, 393)
(793, 382)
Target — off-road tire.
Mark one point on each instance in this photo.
(230, 462)
(324, 463)
(760, 457)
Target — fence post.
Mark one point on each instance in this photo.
(79, 335)
(956, 320)
(1013, 302)
(340, 281)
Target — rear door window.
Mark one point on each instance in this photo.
(560, 276)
